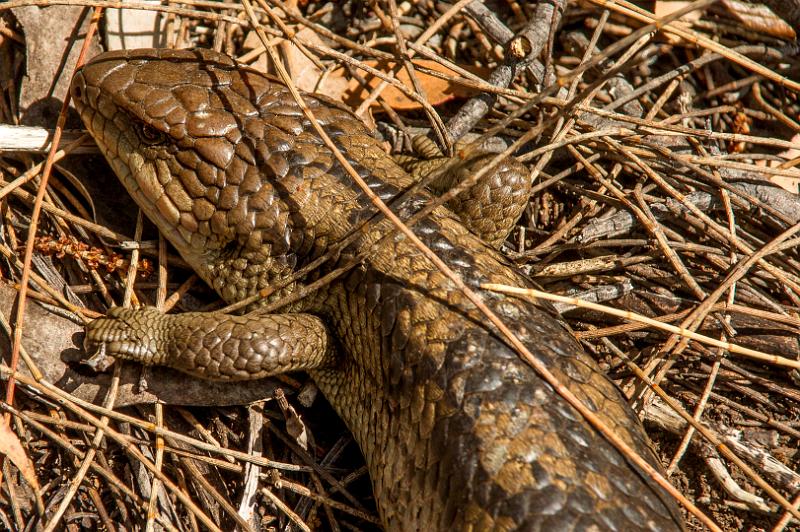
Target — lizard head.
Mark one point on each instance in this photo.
(184, 132)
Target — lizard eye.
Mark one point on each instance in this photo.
(151, 135)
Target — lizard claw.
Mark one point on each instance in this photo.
(100, 361)
(126, 333)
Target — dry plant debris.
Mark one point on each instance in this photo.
(664, 159)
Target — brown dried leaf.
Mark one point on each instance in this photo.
(52, 50)
(667, 7)
(760, 18)
(663, 8)
(437, 90)
(339, 85)
(304, 73)
(294, 423)
(792, 184)
(296, 428)
(11, 447)
(134, 28)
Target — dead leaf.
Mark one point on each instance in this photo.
(294, 424)
(792, 184)
(134, 28)
(759, 18)
(667, 7)
(663, 8)
(304, 73)
(51, 54)
(11, 447)
(437, 90)
(340, 85)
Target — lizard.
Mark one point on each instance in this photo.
(456, 430)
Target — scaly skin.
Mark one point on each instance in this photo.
(458, 433)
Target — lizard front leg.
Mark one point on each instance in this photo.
(212, 345)
(491, 207)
